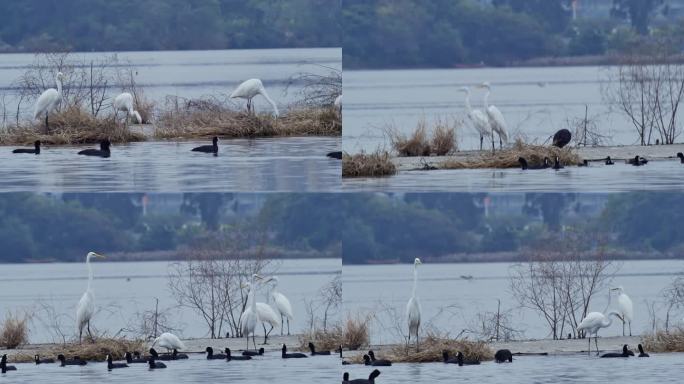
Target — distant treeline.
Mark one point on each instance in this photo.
(36, 227)
(449, 33)
(386, 229)
(106, 25)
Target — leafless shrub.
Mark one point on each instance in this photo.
(495, 326)
(317, 90)
(14, 330)
(585, 130)
(648, 89)
(210, 280)
(149, 324)
(560, 278)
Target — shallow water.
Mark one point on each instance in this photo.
(270, 367)
(270, 164)
(451, 303)
(659, 368)
(126, 288)
(193, 74)
(374, 99)
(656, 175)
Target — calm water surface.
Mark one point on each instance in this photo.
(124, 289)
(659, 368)
(451, 303)
(268, 164)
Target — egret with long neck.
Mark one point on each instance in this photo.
(476, 116)
(413, 306)
(49, 100)
(86, 306)
(497, 123)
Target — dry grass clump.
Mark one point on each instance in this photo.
(14, 331)
(508, 157)
(442, 141)
(661, 341)
(329, 340)
(355, 332)
(378, 163)
(211, 116)
(71, 126)
(98, 349)
(431, 348)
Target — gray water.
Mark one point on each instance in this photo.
(243, 165)
(124, 289)
(451, 303)
(270, 367)
(374, 99)
(663, 368)
(659, 175)
(192, 74)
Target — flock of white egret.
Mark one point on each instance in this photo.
(49, 101)
(487, 121)
(591, 324)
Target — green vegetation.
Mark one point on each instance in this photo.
(463, 226)
(63, 228)
(448, 33)
(101, 25)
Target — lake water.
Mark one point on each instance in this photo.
(192, 74)
(374, 99)
(268, 368)
(124, 289)
(659, 368)
(451, 303)
(243, 165)
(662, 175)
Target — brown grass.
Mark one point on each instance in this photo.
(374, 164)
(421, 142)
(661, 341)
(324, 341)
(356, 332)
(71, 126)
(508, 158)
(193, 118)
(14, 331)
(431, 348)
(91, 351)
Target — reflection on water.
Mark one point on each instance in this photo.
(269, 164)
(403, 97)
(659, 368)
(657, 175)
(451, 303)
(268, 368)
(124, 289)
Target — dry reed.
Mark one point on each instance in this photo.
(329, 340)
(661, 341)
(440, 140)
(71, 126)
(378, 163)
(14, 331)
(508, 158)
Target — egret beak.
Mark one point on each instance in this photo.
(98, 255)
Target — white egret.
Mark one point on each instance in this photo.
(338, 104)
(477, 117)
(625, 309)
(248, 319)
(49, 100)
(249, 89)
(497, 123)
(86, 306)
(593, 322)
(124, 103)
(169, 341)
(282, 305)
(413, 306)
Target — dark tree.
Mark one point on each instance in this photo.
(638, 12)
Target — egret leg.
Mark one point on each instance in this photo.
(253, 340)
(589, 348)
(630, 328)
(89, 333)
(265, 334)
(282, 324)
(288, 326)
(596, 341)
(127, 118)
(47, 129)
(500, 143)
(481, 141)
(623, 328)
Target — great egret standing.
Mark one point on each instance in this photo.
(249, 89)
(282, 305)
(49, 100)
(413, 306)
(593, 322)
(86, 306)
(625, 309)
(248, 319)
(497, 123)
(266, 314)
(476, 116)
(124, 103)
(169, 341)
